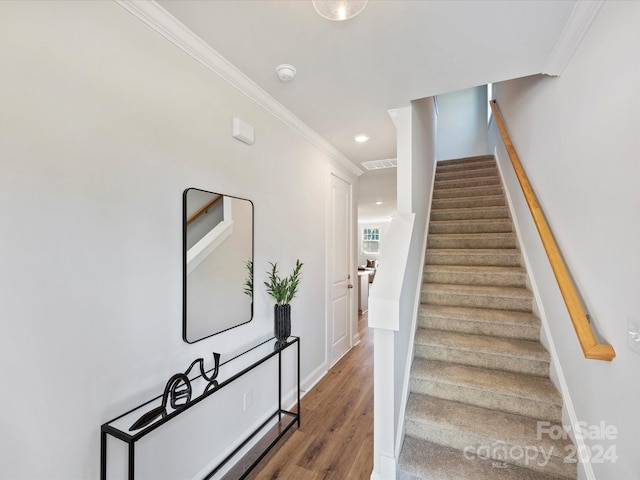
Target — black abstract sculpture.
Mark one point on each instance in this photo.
(178, 391)
(209, 378)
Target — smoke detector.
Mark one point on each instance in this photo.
(286, 72)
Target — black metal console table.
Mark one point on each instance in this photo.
(229, 371)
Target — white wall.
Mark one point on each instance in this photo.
(462, 124)
(103, 125)
(577, 137)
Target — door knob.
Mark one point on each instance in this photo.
(349, 286)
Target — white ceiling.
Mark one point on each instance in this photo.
(349, 74)
(377, 186)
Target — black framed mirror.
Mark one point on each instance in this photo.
(217, 252)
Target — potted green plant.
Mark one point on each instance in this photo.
(283, 290)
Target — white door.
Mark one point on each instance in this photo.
(340, 283)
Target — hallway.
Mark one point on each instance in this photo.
(335, 440)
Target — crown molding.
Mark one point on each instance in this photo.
(165, 24)
(582, 15)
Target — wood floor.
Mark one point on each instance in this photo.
(335, 438)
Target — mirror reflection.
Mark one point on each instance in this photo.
(217, 249)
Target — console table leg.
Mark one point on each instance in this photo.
(103, 456)
(132, 457)
(279, 386)
(298, 383)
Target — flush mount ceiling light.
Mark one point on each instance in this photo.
(286, 72)
(339, 9)
(361, 138)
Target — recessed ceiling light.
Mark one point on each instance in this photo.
(378, 203)
(361, 138)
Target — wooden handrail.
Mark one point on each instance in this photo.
(204, 208)
(590, 346)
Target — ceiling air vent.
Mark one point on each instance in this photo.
(378, 164)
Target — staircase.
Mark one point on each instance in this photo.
(480, 377)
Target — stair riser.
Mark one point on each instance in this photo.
(470, 213)
(466, 165)
(453, 299)
(472, 241)
(467, 182)
(488, 399)
(520, 332)
(465, 174)
(470, 226)
(461, 440)
(468, 202)
(468, 192)
(483, 359)
(471, 278)
(509, 259)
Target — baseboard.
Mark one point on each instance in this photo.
(206, 470)
(289, 401)
(313, 378)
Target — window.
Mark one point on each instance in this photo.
(371, 240)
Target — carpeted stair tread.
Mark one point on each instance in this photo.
(509, 392)
(488, 171)
(465, 160)
(500, 353)
(466, 163)
(470, 213)
(476, 275)
(461, 426)
(482, 225)
(493, 179)
(473, 256)
(473, 240)
(478, 296)
(467, 174)
(505, 347)
(466, 202)
(459, 192)
(480, 321)
(423, 460)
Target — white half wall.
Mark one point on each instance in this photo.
(421, 166)
(577, 138)
(104, 124)
(395, 295)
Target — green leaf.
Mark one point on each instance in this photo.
(283, 290)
